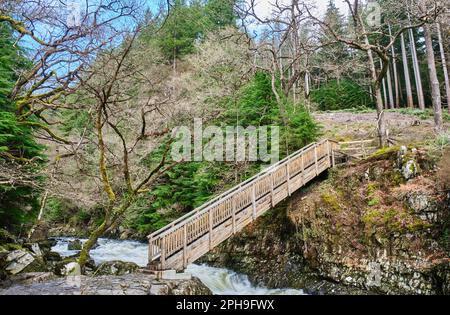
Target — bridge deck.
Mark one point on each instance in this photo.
(193, 235)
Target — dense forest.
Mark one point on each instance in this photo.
(89, 99)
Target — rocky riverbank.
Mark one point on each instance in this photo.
(378, 226)
(33, 268)
(129, 284)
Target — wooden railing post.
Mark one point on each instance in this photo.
(163, 252)
(333, 159)
(150, 250)
(253, 202)
(185, 259)
(288, 176)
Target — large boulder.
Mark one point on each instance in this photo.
(75, 245)
(40, 232)
(410, 169)
(116, 268)
(17, 261)
(64, 266)
(71, 269)
(21, 260)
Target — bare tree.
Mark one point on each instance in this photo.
(444, 65)
(376, 41)
(394, 66)
(435, 87)
(409, 97)
(111, 83)
(416, 69)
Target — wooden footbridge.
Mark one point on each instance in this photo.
(194, 234)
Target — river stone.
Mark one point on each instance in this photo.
(74, 245)
(116, 268)
(36, 250)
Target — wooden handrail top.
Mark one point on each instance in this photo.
(356, 142)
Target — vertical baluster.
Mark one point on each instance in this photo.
(184, 246)
(302, 164)
(271, 189)
(253, 202)
(288, 176)
(210, 218)
(233, 215)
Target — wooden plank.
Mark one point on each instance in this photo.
(355, 142)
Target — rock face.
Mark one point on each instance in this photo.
(130, 284)
(27, 258)
(367, 227)
(116, 268)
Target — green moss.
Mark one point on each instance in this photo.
(396, 178)
(393, 221)
(11, 246)
(372, 188)
(384, 152)
(418, 225)
(373, 202)
(331, 201)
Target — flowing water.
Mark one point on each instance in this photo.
(219, 280)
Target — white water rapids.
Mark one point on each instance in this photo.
(219, 280)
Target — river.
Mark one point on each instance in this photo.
(220, 281)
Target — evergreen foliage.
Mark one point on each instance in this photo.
(17, 143)
(190, 184)
(341, 95)
(188, 22)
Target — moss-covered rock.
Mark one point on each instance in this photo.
(116, 268)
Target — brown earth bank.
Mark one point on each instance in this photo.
(376, 226)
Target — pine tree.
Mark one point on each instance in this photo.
(17, 143)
